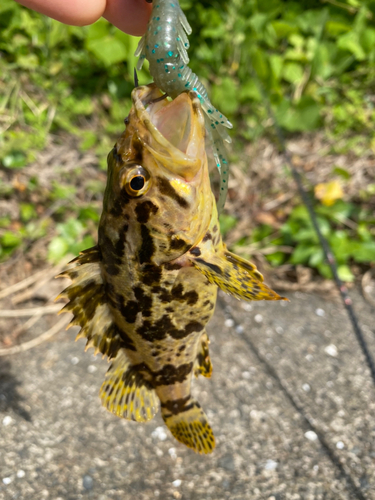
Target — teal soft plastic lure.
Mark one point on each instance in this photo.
(165, 46)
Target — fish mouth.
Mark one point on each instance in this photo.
(173, 131)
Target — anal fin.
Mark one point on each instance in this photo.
(126, 394)
(190, 426)
(203, 365)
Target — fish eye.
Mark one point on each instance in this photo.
(136, 180)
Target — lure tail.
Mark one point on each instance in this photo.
(220, 155)
(189, 425)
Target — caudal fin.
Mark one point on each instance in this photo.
(189, 426)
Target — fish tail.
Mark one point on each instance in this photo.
(189, 425)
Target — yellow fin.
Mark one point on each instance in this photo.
(189, 425)
(126, 394)
(203, 363)
(234, 275)
(88, 304)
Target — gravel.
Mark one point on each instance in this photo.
(290, 421)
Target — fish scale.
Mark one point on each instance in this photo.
(144, 294)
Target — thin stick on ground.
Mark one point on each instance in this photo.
(28, 281)
(37, 341)
(29, 294)
(18, 313)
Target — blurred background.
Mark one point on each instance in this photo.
(291, 406)
(64, 93)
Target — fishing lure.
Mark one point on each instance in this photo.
(165, 46)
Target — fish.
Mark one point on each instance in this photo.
(144, 294)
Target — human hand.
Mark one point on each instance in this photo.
(130, 16)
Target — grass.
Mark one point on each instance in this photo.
(314, 60)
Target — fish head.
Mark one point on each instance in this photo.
(158, 183)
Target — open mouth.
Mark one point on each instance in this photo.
(172, 131)
(175, 121)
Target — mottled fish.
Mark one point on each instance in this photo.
(145, 293)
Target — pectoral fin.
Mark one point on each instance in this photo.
(235, 276)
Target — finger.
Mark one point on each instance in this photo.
(74, 12)
(130, 16)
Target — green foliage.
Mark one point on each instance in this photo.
(70, 239)
(349, 230)
(315, 61)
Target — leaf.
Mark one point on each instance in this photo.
(292, 72)
(16, 159)
(226, 94)
(302, 253)
(342, 173)
(328, 192)
(27, 211)
(276, 259)
(345, 273)
(227, 222)
(350, 42)
(108, 50)
(303, 116)
(10, 239)
(57, 248)
(365, 253)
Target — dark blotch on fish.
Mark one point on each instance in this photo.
(151, 274)
(116, 156)
(179, 244)
(144, 210)
(148, 248)
(195, 251)
(177, 406)
(177, 293)
(169, 266)
(144, 301)
(171, 374)
(214, 267)
(168, 190)
(163, 327)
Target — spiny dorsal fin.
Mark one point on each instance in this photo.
(190, 426)
(202, 363)
(88, 304)
(234, 275)
(126, 394)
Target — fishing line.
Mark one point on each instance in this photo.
(328, 254)
(297, 404)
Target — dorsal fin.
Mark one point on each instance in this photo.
(89, 305)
